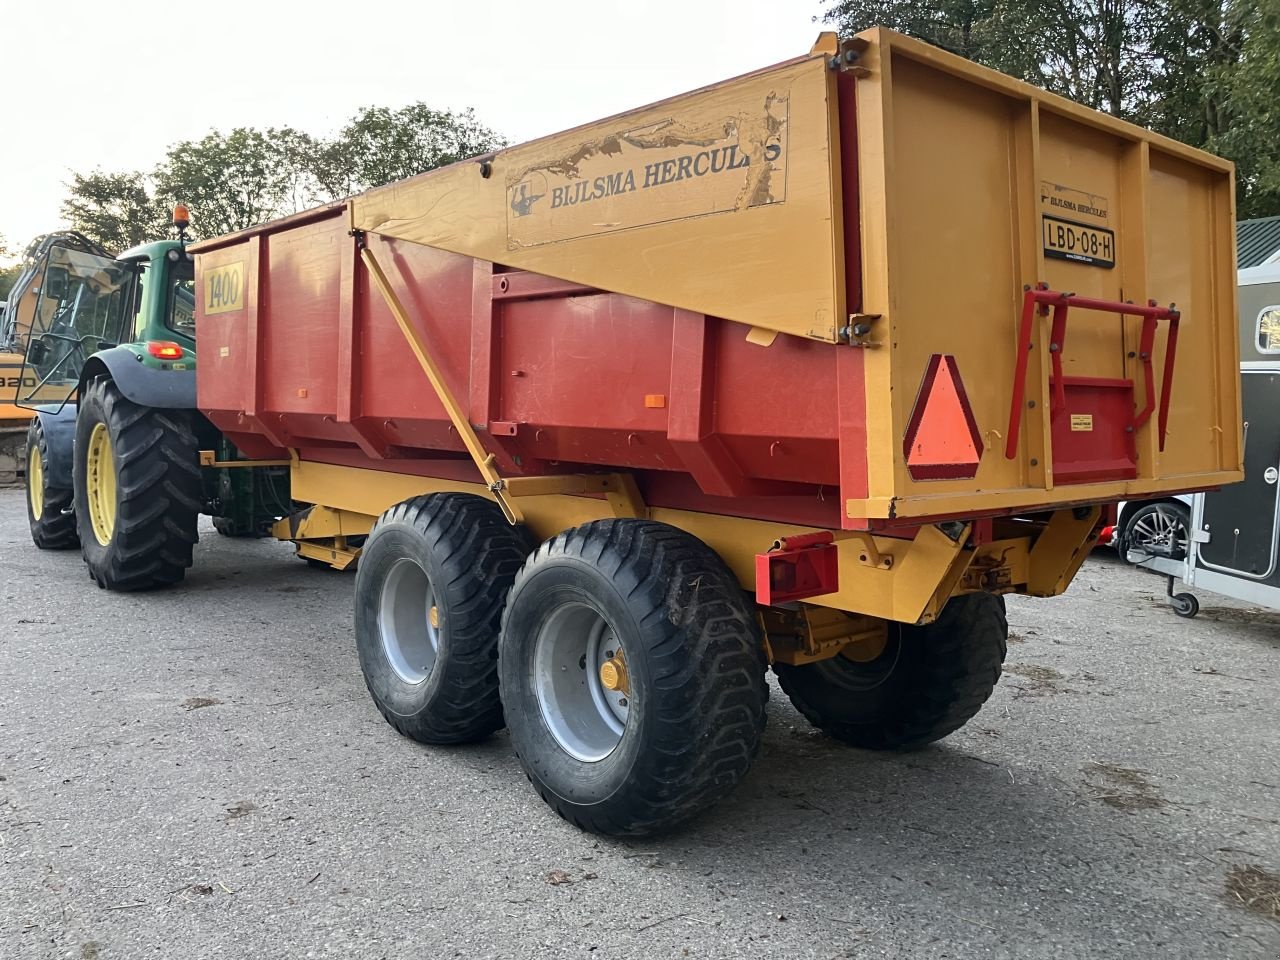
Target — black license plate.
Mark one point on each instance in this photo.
(1068, 240)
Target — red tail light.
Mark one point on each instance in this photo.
(164, 350)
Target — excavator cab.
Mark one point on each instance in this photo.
(78, 302)
(71, 299)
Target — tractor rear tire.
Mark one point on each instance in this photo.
(632, 670)
(228, 527)
(49, 514)
(928, 681)
(138, 492)
(433, 577)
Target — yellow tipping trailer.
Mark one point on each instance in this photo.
(808, 368)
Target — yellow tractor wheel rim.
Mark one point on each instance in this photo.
(100, 484)
(35, 482)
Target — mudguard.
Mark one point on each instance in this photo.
(146, 386)
(59, 425)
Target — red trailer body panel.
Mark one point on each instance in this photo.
(559, 379)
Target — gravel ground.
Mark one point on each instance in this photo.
(199, 773)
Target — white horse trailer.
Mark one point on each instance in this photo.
(1235, 542)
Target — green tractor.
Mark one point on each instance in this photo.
(123, 464)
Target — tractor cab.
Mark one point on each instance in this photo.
(80, 302)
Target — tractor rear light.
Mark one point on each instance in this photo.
(797, 568)
(164, 350)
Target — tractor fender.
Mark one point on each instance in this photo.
(58, 422)
(145, 386)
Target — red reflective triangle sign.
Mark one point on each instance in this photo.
(942, 440)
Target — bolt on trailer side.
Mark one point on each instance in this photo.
(880, 327)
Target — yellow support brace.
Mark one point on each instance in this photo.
(483, 459)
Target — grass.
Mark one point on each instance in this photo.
(1255, 889)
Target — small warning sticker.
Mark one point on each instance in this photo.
(1082, 421)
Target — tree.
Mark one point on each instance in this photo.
(8, 275)
(116, 210)
(1206, 72)
(379, 145)
(237, 180)
(1097, 52)
(1249, 130)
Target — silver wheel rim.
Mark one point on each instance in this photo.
(1159, 528)
(410, 640)
(586, 718)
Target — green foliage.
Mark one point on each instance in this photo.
(1206, 72)
(1250, 105)
(8, 277)
(380, 145)
(235, 180)
(115, 209)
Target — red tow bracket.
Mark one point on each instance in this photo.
(797, 567)
(1042, 297)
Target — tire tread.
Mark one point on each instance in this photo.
(55, 528)
(161, 495)
(708, 666)
(472, 536)
(954, 677)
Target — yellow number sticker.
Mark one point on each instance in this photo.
(224, 288)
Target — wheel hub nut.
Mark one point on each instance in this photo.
(613, 674)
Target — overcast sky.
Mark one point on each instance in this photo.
(113, 85)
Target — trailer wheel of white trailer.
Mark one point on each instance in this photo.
(927, 682)
(138, 492)
(632, 670)
(53, 524)
(430, 587)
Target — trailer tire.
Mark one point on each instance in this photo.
(138, 491)
(689, 709)
(454, 555)
(49, 513)
(928, 682)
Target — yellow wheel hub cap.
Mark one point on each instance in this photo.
(864, 651)
(35, 482)
(613, 674)
(100, 484)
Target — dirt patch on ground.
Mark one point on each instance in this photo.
(195, 703)
(241, 808)
(1237, 615)
(1255, 889)
(1033, 671)
(1122, 787)
(1037, 680)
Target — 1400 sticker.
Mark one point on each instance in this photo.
(224, 288)
(1068, 240)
